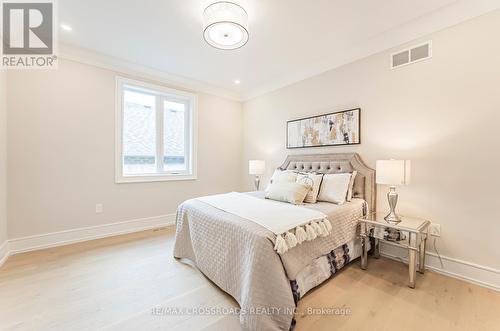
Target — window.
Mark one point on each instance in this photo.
(155, 133)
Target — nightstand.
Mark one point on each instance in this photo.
(410, 233)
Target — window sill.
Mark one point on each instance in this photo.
(153, 178)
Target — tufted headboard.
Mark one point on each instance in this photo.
(364, 183)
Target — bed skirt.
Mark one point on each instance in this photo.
(324, 268)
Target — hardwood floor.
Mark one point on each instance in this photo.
(116, 283)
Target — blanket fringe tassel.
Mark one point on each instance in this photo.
(288, 240)
(291, 240)
(323, 228)
(317, 229)
(328, 224)
(311, 234)
(300, 234)
(280, 246)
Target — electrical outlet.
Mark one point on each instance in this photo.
(435, 230)
(99, 208)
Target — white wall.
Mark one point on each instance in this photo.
(443, 114)
(3, 159)
(61, 153)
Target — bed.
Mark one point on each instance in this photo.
(238, 254)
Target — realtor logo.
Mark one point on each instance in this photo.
(28, 34)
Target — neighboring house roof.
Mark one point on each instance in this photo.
(139, 131)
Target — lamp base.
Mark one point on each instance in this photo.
(392, 197)
(392, 218)
(257, 182)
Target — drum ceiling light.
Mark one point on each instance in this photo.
(225, 25)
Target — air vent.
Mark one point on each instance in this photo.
(411, 55)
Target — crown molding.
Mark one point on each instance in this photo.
(443, 18)
(101, 60)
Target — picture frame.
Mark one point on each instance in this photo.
(339, 128)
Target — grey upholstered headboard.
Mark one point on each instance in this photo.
(364, 183)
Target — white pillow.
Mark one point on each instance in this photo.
(351, 185)
(334, 188)
(312, 180)
(280, 176)
(287, 192)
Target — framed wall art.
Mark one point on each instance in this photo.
(333, 129)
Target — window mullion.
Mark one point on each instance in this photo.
(159, 134)
(187, 135)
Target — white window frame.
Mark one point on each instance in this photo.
(189, 99)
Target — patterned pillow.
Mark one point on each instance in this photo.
(313, 180)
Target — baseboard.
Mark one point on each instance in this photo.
(466, 271)
(60, 238)
(4, 252)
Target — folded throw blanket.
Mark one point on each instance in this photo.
(291, 224)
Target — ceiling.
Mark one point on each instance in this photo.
(290, 40)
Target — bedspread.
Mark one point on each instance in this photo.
(239, 257)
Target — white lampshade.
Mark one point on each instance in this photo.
(256, 167)
(393, 172)
(225, 25)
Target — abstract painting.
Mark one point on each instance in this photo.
(333, 129)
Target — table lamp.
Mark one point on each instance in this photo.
(393, 173)
(257, 168)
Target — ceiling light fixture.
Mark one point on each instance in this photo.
(66, 27)
(225, 25)
(237, 81)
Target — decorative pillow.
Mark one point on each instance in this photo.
(282, 176)
(313, 180)
(351, 185)
(334, 188)
(287, 192)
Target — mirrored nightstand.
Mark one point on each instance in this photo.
(410, 233)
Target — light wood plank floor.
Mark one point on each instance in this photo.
(115, 283)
